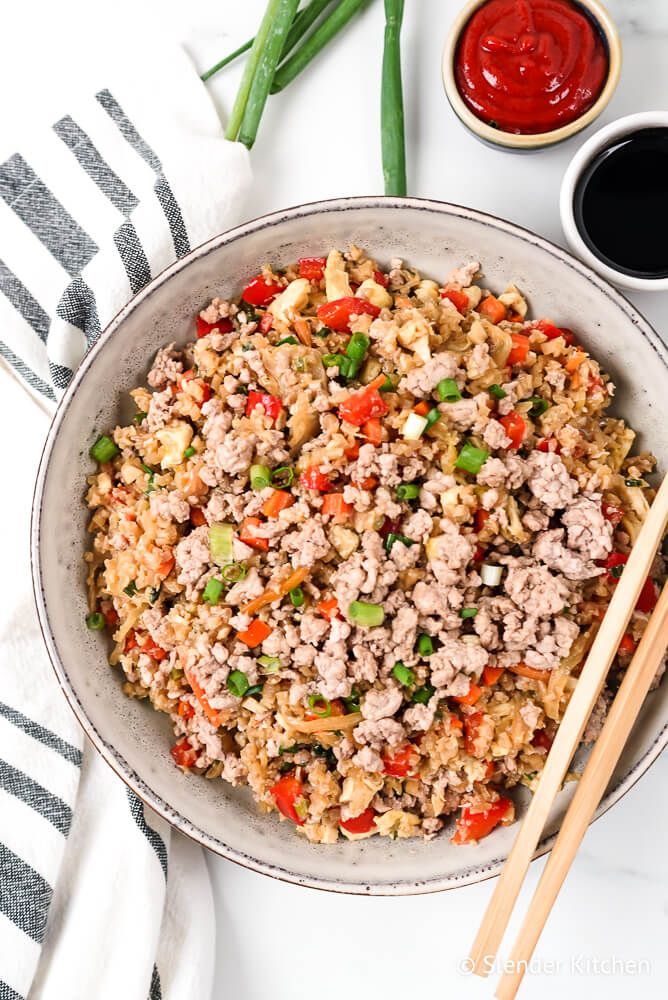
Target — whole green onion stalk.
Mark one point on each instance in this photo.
(392, 103)
(302, 22)
(309, 49)
(259, 71)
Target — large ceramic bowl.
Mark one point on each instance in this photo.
(132, 737)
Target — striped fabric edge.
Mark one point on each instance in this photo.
(152, 836)
(42, 734)
(155, 989)
(7, 993)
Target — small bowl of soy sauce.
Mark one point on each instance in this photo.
(614, 202)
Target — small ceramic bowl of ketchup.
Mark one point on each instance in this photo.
(526, 74)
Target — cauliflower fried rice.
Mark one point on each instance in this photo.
(357, 540)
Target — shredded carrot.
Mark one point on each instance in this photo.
(422, 408)
(369, 483)
(329, 608)
(303, 331)
(575, 361)
(353, 452)
(373, 431)
(275, 593)
(490, 675)
(246, 533)
(471, 697)
(211, 713)
(402, 302)
(533, 673)
(278, 501)
(256, 633)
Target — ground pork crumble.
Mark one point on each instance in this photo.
(357, 541)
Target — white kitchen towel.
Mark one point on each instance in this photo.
(98, 897)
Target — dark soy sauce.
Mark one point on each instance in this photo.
(621, 204)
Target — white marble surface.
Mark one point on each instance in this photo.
(321, 139)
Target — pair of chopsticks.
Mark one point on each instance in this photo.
(600, 765)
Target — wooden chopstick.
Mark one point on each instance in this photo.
(569, 733)
(595, 777)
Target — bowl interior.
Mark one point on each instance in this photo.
(134, 739)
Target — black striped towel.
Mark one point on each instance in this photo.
(98, 897)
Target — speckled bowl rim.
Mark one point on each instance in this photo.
(509, 140)
(472, 873)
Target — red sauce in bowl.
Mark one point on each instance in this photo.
(530, 66)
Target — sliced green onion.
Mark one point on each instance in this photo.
(301, 808)
(269, 664)
(95, 621)
(297, 597)
(357, 346)
(221, 537)
(432, 417)
(104, 449)
(212, 591)
(414, 427)
(309, 49)
(324, 331)
(299, 365)
(139, 417)
(633, 482)
(471, 459)
(154, 594)
(394, 537)
(282, 477)
(260, 476)
(175, 674)
(254, 690)
(131, 589)
(425, 645)
(349, 368)
(447, 391)
(366, 615)
(616, 571)
(237, 683)
(189, 452)
(392, 103)
(287, 340)
(423, 694)
(497, 392)
(333, 360)
(403, 674)
(234, 572)
(468, 612)
(352, 702)
(407, 491)
(538, 406)
(320, 706)
(150, 486)
(491, 575)
(387, 386)
(326, 752)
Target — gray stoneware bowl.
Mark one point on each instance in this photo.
(133, 738)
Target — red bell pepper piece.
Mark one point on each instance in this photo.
(312, 268)
(203, 328)
(197, 517)
(515, 427)
(152, 649)
(260, 292)
(381, 279)
(490, 675)
(247, 535)
(266, 323)
(329, 608)
(364, 404)
(552, 332)
(401, 763)
(473, 826)
(314, 479)
(541, 740)
(334, 506)
(183, 754)
(288, 793)
(373, 431)
(271, 405)
(360, 824)
(336, 315)
(460, 300)
(648, 596)
(480, 518)
(548, 444)
(493, 309)
(185, 710)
